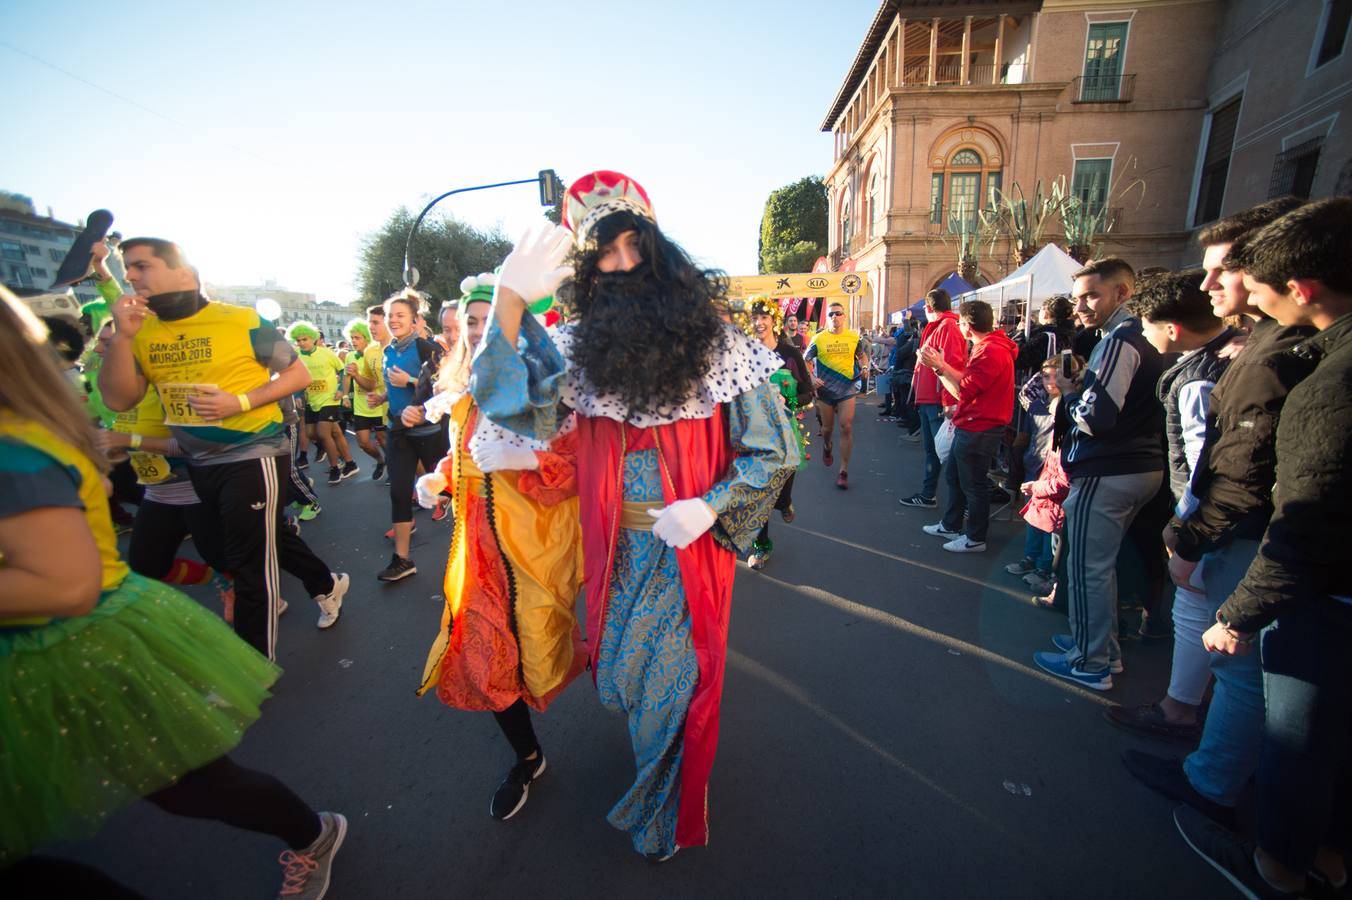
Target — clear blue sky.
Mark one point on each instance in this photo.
(267, 138)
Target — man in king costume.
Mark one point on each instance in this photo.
(682, 447)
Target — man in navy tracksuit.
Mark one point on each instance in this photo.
(1113, 451)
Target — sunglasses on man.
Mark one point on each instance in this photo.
(834, 314)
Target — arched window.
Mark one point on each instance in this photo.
(964, 185)
(876, 207)
(846, 225)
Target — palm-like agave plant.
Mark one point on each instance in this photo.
(1085, 223)
(1022, 220)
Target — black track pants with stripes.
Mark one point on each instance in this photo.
(247, 499)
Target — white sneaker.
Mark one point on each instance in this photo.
(938, 530)
(331, 604)
(964, 544)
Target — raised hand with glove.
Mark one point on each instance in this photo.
(500, 456)
(533, 270)
(680, 524)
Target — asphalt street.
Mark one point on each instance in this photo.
(884, 734)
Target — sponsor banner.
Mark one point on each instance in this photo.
(811, 284)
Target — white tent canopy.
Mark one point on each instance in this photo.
(1049, 272)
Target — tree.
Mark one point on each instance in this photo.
(444, 251)
(793, 227)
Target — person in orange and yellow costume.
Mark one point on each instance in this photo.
(509, 640)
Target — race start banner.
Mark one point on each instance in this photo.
(819, 284)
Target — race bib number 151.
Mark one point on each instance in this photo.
(177, 409)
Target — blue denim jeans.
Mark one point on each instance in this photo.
(968, 488)
(1304, 779)
(930, 420)
(1037, 546)
(1228, 753)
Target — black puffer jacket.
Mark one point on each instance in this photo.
(1042, 343)
(1234, 475)
(1303, 556)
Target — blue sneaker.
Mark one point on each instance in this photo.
(1066, 644)
(1056, 664)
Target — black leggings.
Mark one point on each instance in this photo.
(159, 531)
(516, 725)
(247, 799)
(126, 489)
(402, 455)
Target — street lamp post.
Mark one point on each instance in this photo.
(551, 189)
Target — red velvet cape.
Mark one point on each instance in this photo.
(695, 455)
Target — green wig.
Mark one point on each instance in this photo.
(357, 326)
(302, 329)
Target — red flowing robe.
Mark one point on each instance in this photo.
(695, 455)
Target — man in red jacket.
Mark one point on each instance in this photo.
(985, 391)
(932, 400)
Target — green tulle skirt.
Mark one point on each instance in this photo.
(101, 709)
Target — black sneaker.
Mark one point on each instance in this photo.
(511, 794)
(1227, 853)
(399, 567)
(378, 472)
(302, 461)
(920, 500)
(1165, 775)
(350, 468)
(335, 475)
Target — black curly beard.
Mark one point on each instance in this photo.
(643, 340)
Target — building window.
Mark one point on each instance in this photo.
(1294, 169)
(20, 275)
(875, 204)
(961, 189)
(1332, 32)
(39, 273)
(56, 255)
(1090, 182)
(1103, 61)
(846, 226)
(994, 187)
(1216, 162)
(12, 250)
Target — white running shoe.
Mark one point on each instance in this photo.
(331, 604)
(964, 544)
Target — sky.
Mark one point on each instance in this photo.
(269, 138)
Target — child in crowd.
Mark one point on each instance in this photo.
(1045, 494)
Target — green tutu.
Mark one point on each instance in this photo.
(101, 709)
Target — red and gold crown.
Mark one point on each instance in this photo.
(593, 197)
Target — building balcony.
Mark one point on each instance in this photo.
(1103, 89)
(951, 74)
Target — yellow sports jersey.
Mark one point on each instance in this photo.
(838, 351)
(147, 419)
(222, 346)
(371, 364)
(91, 492)
(325, 368)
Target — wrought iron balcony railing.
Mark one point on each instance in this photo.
(1102, 89)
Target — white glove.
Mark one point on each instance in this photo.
(439, 405)
(679, 524)
(428, 487)
(535, 267)
(498, 456)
